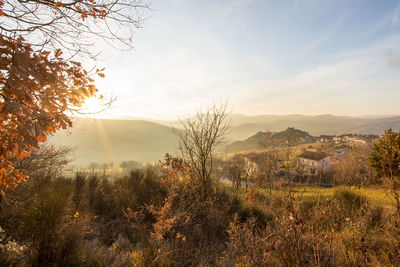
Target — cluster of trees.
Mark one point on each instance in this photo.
(354, 167)
(130, 165)
(125, 165)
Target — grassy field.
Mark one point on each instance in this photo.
(376, 196)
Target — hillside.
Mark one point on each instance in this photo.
(95, 140)
(259, 140)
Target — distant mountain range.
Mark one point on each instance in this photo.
(100, 140)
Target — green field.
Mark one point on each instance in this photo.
(376, 196)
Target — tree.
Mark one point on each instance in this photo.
(93, 166)
(48, 160)
(355, 168)
(385, 159)
(235, 169)
(288, 147)
(130, 165)
(268, 170)
(270, 164)
(39, 88)
(198, 139)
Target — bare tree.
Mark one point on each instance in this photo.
(72, 25)
(288, 148)
(268, 170)
(93, 166)
(235, 169)
(198, 139)
(354, 168)
(48, 160)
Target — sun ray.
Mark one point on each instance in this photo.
(105, 141)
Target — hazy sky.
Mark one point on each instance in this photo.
(260, 56)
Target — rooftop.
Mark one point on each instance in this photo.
(313, 155)
(259, 157)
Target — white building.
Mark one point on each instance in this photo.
(258, 162)
(314, 162)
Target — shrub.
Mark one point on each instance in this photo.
(349, 202)
(80, 181)
(93, 182)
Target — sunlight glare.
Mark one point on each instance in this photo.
(94, 107)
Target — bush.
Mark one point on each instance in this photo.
(93, 182)
(349, 203)
(80, 181)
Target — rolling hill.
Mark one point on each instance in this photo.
(259, 140)
(95, 140)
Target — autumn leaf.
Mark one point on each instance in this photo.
(84, 15)
(58, 4)
(58, 53)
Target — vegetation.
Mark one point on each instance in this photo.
(385, 159)
(198, 139)
(355, 168)
(149, 218)
(178, 215)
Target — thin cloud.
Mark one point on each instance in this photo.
(356, 80)
(396, 16)
(325, 37)
(378, 26)
(393, 59)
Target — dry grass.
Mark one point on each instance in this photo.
(376, 196)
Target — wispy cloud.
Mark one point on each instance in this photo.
(325, 37)
(355, 83)
(378, 26)
(393, 59)
(396, 16)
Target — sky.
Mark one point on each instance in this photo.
(260, 56)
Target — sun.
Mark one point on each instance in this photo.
(95, 107)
